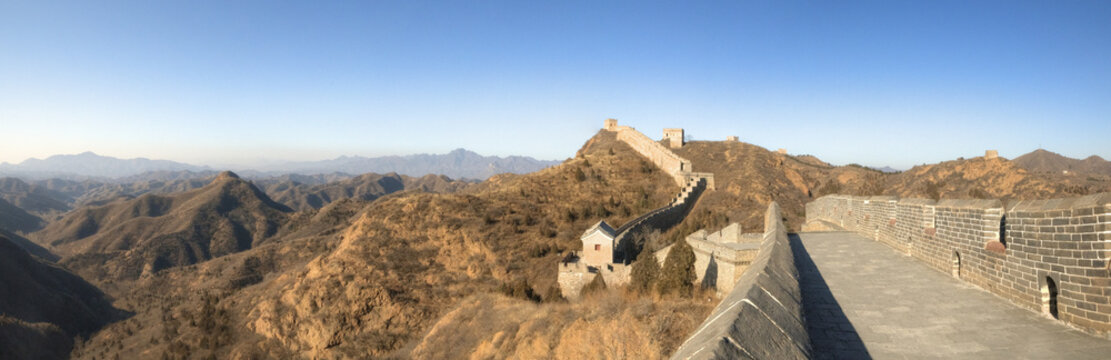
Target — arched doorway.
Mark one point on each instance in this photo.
(1049, 297)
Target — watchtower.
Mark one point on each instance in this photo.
(991, 154)
(610, 124)
(732, 138)
(674, 137)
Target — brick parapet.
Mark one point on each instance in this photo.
(720, 261)
(1013, 252)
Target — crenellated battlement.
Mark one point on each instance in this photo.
(1050, 256)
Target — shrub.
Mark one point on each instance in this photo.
(520, 289)
(596, 285)
(553, 294)
(677, 275)
(644, 274)
(933, 190)
(580, 176)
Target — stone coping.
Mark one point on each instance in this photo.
(1081, 202)
(762, 317)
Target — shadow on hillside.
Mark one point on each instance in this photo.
(831, 333)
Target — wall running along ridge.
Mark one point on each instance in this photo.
(762, 317)
(1020, 252)
(574, 275)
(660, 219)
(679, 168)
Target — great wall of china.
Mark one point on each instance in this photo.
(576, 272)
(1048, 256)
(762, 317)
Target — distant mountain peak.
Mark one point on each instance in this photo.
(1042, 160)
(225, 175)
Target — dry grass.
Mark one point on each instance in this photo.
(609, 324)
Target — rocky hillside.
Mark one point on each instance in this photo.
(363, 279)
(987, 178)
(33, 199)
(15, 219)
(1042, 160)
(43, 307)
(748, 177)
(126, 239)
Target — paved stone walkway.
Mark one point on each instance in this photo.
(863, 299)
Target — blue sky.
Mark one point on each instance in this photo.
(236, 82)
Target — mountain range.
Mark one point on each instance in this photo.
(332, 265)
(458, 164)
(1042, 160)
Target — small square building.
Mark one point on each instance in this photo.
(610, 124)
(674, 138)
(598, 244)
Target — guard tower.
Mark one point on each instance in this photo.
(674, 137)
(991, 154)
(610, 124)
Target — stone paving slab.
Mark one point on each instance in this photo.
(863, 299)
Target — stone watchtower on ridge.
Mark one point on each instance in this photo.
(674, 138)
(610, 124)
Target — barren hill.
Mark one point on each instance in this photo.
(362, 279)
(153, 232)
(748, 177)
(15, 219)
(34, 199)
(42, 307)
(1042, 160)
(418, 273)
(987, 178)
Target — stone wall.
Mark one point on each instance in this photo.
(1033, 253)
(719, 262)
(762, 317)
(666, 160)
(660, 219)
(574, 275)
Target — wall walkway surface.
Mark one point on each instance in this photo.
(1048, 256)
(762, 318)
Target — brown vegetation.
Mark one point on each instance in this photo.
(609, 324)
(124, 240)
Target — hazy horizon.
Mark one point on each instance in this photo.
(879, 84)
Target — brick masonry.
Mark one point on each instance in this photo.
(1022, 252)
